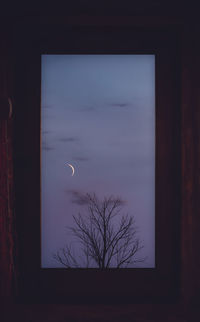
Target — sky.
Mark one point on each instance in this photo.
(97, 114)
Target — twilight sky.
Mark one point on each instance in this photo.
(98, 114)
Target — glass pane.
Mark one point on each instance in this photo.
(98, 161)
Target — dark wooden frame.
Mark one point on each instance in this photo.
(136, 285)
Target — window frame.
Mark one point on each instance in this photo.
(92, 285)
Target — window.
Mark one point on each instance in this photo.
(98, 152)
(91, 283)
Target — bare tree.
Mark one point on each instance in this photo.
(105, 242)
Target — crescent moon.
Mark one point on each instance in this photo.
(71, 166)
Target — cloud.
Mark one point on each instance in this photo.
(47, 106)
(88, 109)
(47, 147)
(78, 197)
(46, 132)
(68, 139)
(120, 104)
(82, 199)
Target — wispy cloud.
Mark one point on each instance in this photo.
(78, 197)
(88, 109)
(68, 139)
(46, 132)
(47, 147)
(120, 104)
(47, 106)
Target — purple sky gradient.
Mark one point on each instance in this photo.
(98, 113)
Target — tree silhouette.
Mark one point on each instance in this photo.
(105, 242)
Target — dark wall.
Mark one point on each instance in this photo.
(7, 233)
(187, 307)
(190, 104)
